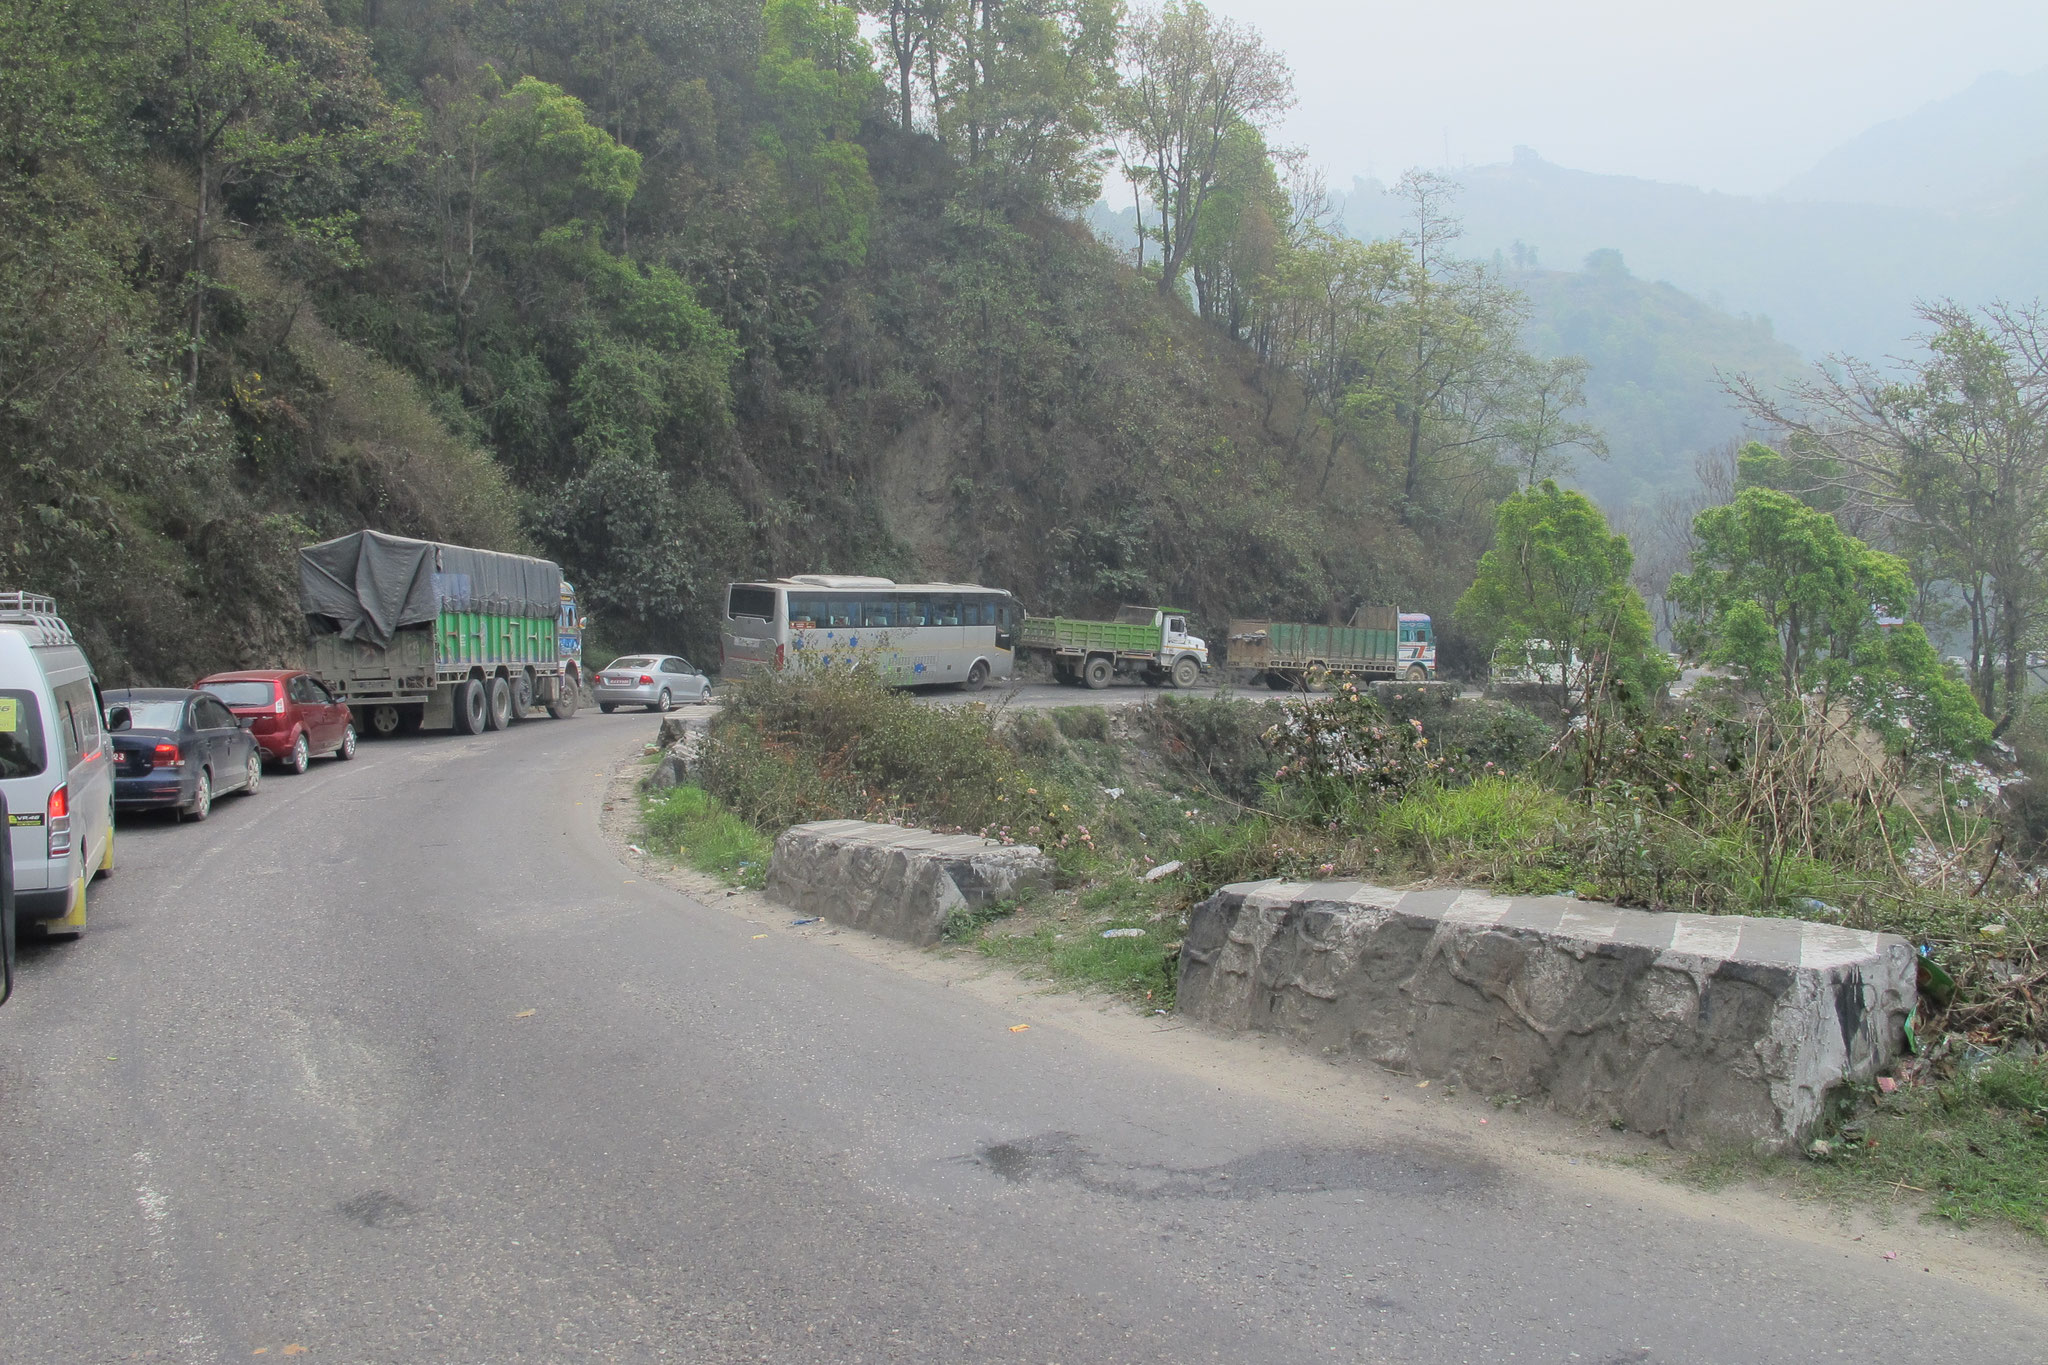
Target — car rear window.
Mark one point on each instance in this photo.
(258, 693)
(152, 715)
(750, 601)
(629, 663)
(21, 735)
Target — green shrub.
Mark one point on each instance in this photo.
(1034, 734)
(690, 824)
(1219, 743)
(1083, 722)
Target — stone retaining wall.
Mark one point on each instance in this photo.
(903, 883)
(1695, 1028)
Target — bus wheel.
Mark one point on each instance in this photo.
(1096, 673)
(1186, 672)
(977, 677)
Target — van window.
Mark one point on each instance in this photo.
(21, 735)
(78, 721)
(746, 600)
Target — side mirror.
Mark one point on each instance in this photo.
(119, 718)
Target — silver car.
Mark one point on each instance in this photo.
(655, 681)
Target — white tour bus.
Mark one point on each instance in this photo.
(915, 633)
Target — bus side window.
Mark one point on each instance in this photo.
(913, 611)
(945, 611)
(806, 611)
(878, 611)
(970, 611)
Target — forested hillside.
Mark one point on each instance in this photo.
(678, 290)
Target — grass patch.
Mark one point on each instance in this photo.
(1975, 1146)
(689, 824)
(1068, 946)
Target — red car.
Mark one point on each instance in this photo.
(295, 716)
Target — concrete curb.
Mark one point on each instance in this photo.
(899, 882)
(1693, 1028)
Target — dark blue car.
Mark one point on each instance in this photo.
(177, 750)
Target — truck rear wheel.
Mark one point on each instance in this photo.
(1096, 673)
(500, 714)
(1186, 672)
(522, 695)
(470, 706)
(1279, 682)
(567, 697)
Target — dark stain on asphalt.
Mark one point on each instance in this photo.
(1276, 1170)
(377, 1209)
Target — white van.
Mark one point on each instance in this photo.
(56, 764)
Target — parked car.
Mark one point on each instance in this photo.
(178, 749)
(56, 766)
(655, 681)
(295, 716)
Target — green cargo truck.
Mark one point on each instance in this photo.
(1380, 643)
(412, 633)
(1150, 643)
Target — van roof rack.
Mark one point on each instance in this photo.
(39, 614)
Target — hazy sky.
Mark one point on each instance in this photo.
(1735, 95)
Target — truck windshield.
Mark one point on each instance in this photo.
(21, 735)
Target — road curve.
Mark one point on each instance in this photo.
(396, 1063)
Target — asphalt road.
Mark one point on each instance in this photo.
(395, 1062)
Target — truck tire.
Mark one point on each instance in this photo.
(1417, 673)
(471, 707)
(1186, 672)
(568, 696)
(500, 714)
(385, 721)
(522, 695)
(1096, 673)
(1279, 681)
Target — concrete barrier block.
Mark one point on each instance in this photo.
(898, 882)
(1693, 1028)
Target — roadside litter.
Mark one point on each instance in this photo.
(1163, 870)
(1123, 933)
(814, 919)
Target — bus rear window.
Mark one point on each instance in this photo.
(21, 735)
(745, 600)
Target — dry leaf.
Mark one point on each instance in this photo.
(1019, 1028)
(524, 1014)
(760, 936)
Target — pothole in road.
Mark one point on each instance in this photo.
(378, 1209)
(1275, 1170)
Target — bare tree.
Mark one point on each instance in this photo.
(1189, 79)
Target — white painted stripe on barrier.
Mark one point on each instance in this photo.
(1596, 928)
(1477, 908)
(1706, 936)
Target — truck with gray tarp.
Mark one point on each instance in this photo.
(413, 633)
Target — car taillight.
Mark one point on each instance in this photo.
(778, 656)
(58, 818)
(277, 705)
(167, 756)
(646, 679)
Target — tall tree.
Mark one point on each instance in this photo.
(1190, 81)
(1557, 574)
(1956, 449)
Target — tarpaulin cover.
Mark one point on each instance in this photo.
(366, 585)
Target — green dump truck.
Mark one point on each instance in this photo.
(1379, 643)
(1149, 643)
(412, 633)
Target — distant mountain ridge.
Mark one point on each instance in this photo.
(1979, 147)
(1830, 277)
